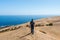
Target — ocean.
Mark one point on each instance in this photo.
(17, 19)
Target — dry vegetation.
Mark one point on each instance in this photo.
(9, 29)
(45, 29)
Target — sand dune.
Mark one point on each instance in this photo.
(42, 32)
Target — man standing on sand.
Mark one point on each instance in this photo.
(32, 26)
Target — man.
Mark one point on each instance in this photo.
(32, 26)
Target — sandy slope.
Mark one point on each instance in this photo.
(23, 33)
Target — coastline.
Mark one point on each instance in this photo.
(41, 30)
(36, 20)
(15, 20)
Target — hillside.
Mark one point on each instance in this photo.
(42, 31)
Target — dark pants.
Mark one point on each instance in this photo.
(32, 30)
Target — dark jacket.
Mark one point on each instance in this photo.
(32, 24)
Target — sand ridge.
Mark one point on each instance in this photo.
(42, 32)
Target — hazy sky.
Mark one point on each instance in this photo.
(29, 7)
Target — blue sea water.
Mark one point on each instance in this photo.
(18, 19)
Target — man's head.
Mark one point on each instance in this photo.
(32, 19)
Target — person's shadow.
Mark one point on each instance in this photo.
(25, 35)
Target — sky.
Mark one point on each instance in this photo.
(29, 7)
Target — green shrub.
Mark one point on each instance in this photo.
(11, 29)
(19, 26)
(38, 25)
(3, 30)
(50, 24)
(14, 28)
(27, 25)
